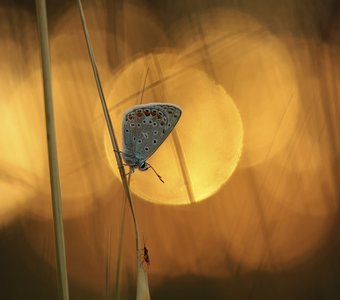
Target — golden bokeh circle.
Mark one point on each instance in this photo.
(203, 150)
(257, 70)
(83, 170)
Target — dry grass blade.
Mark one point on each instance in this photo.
(142, 284)
(52, 152)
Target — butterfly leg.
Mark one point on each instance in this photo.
(132, 170)
(121, 152)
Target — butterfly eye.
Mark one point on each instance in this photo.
(146, 148)
(154, 124)
(138, 125)
(154, 141)
(144, 121)
(139, 141)
(155, 132)
(143, 167)
(126, 130)
(132, 125)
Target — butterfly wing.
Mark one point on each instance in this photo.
(145, 128)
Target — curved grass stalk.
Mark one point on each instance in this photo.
(120, 245)
(142, 282)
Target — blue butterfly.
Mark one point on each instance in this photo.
(145, 128)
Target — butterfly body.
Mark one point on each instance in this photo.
(145, 128)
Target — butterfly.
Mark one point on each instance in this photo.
(145, 128)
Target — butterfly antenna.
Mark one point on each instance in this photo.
(142, 93)
(159, 176)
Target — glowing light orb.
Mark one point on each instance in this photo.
(202, 152)
(256, 69)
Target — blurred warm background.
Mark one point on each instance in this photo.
(250, 204)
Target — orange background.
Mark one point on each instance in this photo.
(250, 204)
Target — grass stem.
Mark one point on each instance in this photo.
(120, 245)
(142, 285)
(52, 152)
